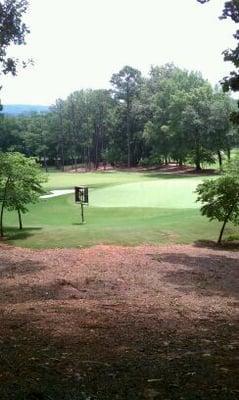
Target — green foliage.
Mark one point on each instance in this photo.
(20, 183)
(150, 161)
(231, 82)
(231, 10)
(232, 166)
(220, 199)
(12, 31)
(127, 84)
(172, 115)
(10, 137)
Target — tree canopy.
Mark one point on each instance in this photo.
(231, 11)
(12, 31)
(170, 115)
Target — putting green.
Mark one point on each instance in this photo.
(171, 193)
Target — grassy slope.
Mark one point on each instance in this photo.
(125, 208)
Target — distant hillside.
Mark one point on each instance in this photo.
(17, 109)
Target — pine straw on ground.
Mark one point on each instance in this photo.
(112, 322)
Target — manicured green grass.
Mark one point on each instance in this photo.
(59, 180)
(166, 193)
(125, 208)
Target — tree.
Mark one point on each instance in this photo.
(195, 118)
(20, 184)
(178, 124)
(231, 10)
(35, 133)
(12, 31)
(10, 137)
(223, 136)
(220, 199)
(126, 87)
(60, 129)
(232, 166)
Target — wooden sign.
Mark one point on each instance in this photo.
(81, 194)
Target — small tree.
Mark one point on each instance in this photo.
(220, 199)
(20, 184)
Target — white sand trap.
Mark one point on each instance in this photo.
(57, 192)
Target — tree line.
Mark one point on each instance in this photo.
(170, 115)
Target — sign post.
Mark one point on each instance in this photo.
(82, 198)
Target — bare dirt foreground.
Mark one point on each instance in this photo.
(119, 323)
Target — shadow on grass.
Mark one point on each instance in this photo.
(185, 174)
(13, 233)
(10, 269)
(211, 275)
(165, 175)
(225, 245)
(115, 355)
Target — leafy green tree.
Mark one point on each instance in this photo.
(60, 132)
(12, 31)
(127, 83)
(172, 115)
(20, 184)
(232, 166)
(231, 82)
(35, 134)
(222, 133)
(10, 134)
(100, 107)
(220, 199)
(195, 119)
(178, 122)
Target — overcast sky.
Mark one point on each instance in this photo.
(80, 43)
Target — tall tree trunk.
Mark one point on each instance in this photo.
(62, 139)
(197, 153)
(83, 157)
(2, 208)
(198, 165)
(1, 220)
(72, 161)
(57, 156)
(197, 159)
(19, 218)
(96, 148)
(88, 158)
(45, 162)
(75, 162)
(74, 156)
(219, 159)
(128, 133)
(226, 219)
(62, 157)
(229, 154)
(128, 148)
(221, 231)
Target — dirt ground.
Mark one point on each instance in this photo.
(107, 322)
